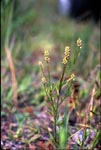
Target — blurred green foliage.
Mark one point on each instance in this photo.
(31, 26)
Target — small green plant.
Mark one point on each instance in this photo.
(55, 95)
(21, 118)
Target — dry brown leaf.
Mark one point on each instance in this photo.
(29, 109)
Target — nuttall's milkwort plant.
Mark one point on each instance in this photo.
(54, 101)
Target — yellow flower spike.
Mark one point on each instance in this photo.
(40, 64)
(67, 51)
(64, 60)
(47, 59)
(71, 77)
(79, 43)
(66, 55)
(44, 80)
(46, 55)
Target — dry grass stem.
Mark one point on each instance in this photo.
(13, 75)
(91, 101)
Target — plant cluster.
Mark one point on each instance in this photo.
(55, 96)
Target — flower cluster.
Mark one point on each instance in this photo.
(71, 77)
(46, 56)
(40, 64)
(79, 43)
(66, 55)
(44, 80)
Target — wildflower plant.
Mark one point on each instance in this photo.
(79, 46)
(54, 90)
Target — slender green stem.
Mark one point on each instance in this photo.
(48, 72)
(57, 105)
(55, 126)
(77, 55)
(60, 85)
(49, 96)
(52, 100)
(53, 105)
